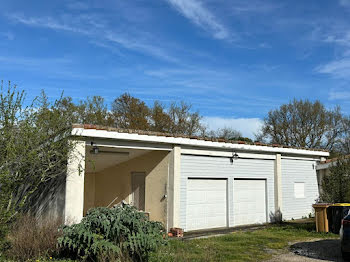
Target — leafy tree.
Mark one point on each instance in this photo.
(94, 111)
(336, 184)
(34, 148)
(159, 118)
(89, 111)
(130, 112)
(303, 123)
(67, 106)
(245, 139)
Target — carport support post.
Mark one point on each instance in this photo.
(278, 184)
(74, 197)
(174, 188)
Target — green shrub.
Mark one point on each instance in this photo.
(336, 184)
(114, 233)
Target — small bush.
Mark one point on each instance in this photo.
(112, 234)
(276, 217)
(31, 238)
(336, 184)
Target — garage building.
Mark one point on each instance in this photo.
(186, 182)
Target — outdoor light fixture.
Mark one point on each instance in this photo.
(95, 149)
(233, 157)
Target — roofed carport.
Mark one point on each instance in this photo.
(136, 176)
(103, 172)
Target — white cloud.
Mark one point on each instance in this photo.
(198, 14)
(345, 3)
(54, 67)
(95, 28)
(78, 5)
(339, 95)
(338, 68)
(51, 23)
(254, 7)
(342, 39)
(33, 62)
(247, 126)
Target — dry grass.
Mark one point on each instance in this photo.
(30, 238)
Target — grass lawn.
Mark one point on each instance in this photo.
(239, 246)
(256, 245)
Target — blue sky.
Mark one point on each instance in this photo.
(234, 60)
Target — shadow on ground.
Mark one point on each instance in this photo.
(327, 249)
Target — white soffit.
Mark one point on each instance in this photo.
(191, 142)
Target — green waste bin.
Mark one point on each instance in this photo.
(335, 213)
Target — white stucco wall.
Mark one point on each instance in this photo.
(74, 194)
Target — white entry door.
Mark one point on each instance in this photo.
(249, 202)
(206, 204)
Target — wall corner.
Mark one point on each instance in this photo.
(174, 187)
(74, 195)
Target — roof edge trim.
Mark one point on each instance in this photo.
(102, 133)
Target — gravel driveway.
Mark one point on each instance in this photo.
(317, 250)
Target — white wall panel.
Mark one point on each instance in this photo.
(249, 202)
(207, 203)
(294, 173)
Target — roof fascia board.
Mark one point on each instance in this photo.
(191, 142)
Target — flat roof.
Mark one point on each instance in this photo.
(103, 132)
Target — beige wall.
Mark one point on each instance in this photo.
(89, 191)
(104, 186)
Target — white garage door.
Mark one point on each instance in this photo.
(249, 202)
(206, 203)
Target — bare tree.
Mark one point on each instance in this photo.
(183, 121)
(303, 123)
(227, 133)
(344, 145)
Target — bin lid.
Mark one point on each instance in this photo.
(340, 205)
(321, 205)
